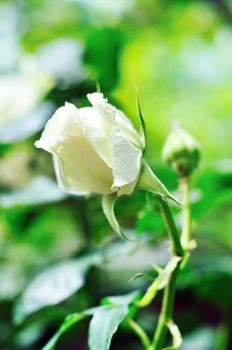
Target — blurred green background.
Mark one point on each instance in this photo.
(57, 253)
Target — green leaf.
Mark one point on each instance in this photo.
(104, 324)
(53, 286)
(108, 202)
(159, 283)
(41, 190)
(69, 321)
(126, 299)
(148, 181)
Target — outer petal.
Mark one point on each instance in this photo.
(62, 178)
(86, 171)
(79, 169)
(101, 104)
(126, 147)
(97, 131)
(64, 122)
(126, 160)
(129, 188)
(128, 129)
(113, 116)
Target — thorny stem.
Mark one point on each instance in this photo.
(171, 228)
(170, 289)
(166, 310)
(179, 248)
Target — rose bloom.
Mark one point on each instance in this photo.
(95, 149)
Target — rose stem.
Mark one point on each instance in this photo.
(186, 229)
(170, 289)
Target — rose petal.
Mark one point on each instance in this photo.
(126, 160)
(128, 129)
(86, 171)
(62, 178)
(106, 110)
(79, 169)
(63, 122)
(97, 131)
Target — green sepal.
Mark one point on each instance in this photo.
(148, 181)
(142, 126)
(108, 203)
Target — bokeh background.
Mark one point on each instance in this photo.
(57, 253)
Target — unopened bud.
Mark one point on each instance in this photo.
(181, 151)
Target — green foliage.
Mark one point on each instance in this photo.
(149, 220)
(53, 286)
(101, 55)
(104, 323)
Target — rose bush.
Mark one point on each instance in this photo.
(95, 149)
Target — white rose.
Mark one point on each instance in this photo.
(95, 149)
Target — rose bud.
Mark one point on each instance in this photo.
(95, 149)
(181, 151)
